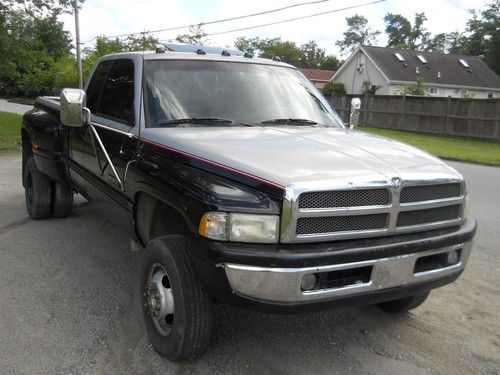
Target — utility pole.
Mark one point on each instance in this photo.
(78, 52)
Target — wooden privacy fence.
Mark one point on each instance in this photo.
(476, 118)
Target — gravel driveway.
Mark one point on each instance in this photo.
(69, 304)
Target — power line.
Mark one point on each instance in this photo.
(217, 21)
(296, 18)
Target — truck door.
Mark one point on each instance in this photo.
(110, 98)
(80, 139)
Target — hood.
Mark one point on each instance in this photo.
(301, 156)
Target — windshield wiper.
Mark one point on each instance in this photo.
(201, 120)
(290, 121)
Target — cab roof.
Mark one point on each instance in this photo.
(170, 51)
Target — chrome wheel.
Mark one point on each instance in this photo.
(159, 299)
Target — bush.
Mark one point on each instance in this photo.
(334, 88)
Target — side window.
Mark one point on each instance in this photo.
(117, 98)
(96, 83)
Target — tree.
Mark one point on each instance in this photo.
(402, 34)
(53, 38)
(287, 51)
(455, 42)
(268, 48)
(102, 47)
(330, 62)
(482, 35)
(357, 33)
(38, 8)
(195, 35)
(438, 43)
(446, 43)
(312, 55)
(250, 45)
(143, 42)
(29, 49)
(309, 55)
(419, 88)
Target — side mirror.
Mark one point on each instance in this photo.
(73, 102)
(355, 109)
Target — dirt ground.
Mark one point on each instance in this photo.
(69, 304)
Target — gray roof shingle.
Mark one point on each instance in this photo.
(440, 68)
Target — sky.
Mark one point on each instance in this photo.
(112, 17)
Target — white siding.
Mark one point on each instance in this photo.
(353, 79)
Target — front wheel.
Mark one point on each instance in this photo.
(176, 307)
(402, 305)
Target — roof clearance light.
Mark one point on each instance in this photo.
(464, 63)
(399, 57)
(422, 59)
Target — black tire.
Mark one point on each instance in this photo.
(63, 200)
(191, 320)
(38, 191)
(402, 305)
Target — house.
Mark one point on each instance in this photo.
(318, 76)
(388, 71)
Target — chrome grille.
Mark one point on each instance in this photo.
(431, 215)
(334, 224)
(370, 211)
(423, 193)
(345, 198)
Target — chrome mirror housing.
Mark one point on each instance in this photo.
(73, 110)
(355, 110)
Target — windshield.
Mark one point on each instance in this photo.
(212, 93)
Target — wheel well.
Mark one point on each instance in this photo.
(27, 150)
(154, 218)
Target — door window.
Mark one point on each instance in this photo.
(117, 98)
(96, 83)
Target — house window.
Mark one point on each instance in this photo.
(464, 63)
(422, 59)
(433, 91)
(399, 56)
(490, 95)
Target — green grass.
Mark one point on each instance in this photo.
(447, 147)
(10, 131)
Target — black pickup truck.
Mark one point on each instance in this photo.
(243, 186)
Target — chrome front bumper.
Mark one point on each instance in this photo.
(283, 285)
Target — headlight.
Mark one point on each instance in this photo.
(223, 226)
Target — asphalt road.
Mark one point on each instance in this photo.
(20, 109)
(69, 304)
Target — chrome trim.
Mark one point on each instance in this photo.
(126, 170)
(283, 285)
(431, 204)
(291, 211)
(345, 211)
(108, 159)
(127, 134)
